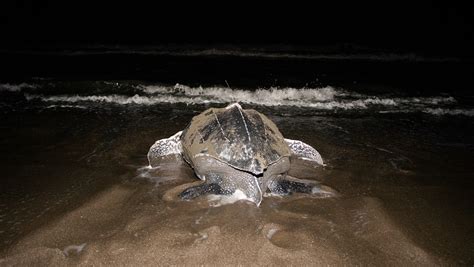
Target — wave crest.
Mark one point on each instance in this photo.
(16, 87)
(267, 97)
(324, 98)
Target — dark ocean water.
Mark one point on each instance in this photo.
(393, 129)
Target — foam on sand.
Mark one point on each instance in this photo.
(219, 200)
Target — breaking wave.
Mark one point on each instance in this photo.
(441, 111)
(152, 100)
(16, 87)
(325, 99)
(319, 98)
(266, 97)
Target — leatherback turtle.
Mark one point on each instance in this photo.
(234, 149)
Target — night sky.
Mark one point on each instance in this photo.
(424, 26)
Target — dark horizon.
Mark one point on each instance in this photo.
(427, 27)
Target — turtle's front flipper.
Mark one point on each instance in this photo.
(163, 148)
(287, 185)
(304, 151)
(203, 189)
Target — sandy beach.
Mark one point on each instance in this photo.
(392, 210)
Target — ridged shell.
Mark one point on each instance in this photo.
(244, 139)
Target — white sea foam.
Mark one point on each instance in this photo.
(265, 96)
(152, 100)
(66, 106)
(16, 87)
(427, 100)
(219, 200)
(158, 175)
(319, 98)
(200, 95)
(271, 232)
(76, 249)
(442, 111)
(324, 98)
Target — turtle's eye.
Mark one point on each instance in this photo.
(259, 175)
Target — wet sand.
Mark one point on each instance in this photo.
(130, 226)
(404, 184)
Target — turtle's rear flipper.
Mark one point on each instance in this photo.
(203, 189)
(304, 151)
(288, 185)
